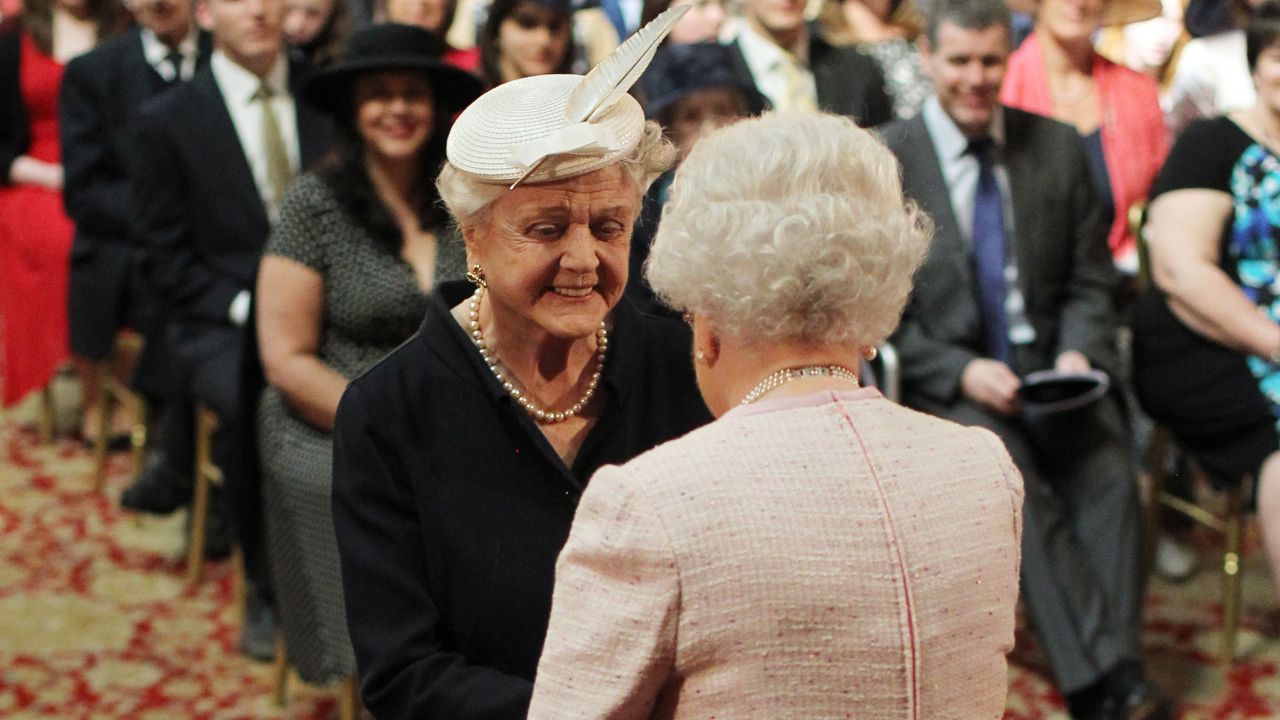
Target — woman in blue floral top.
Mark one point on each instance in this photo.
(1207, 333)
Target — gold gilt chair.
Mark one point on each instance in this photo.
(207, 474)
(348, 690)
(112, 392)
(1225, 513)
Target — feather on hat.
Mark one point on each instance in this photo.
(553, 127)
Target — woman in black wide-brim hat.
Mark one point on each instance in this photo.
(344, 279)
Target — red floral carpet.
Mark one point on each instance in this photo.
(97, 622)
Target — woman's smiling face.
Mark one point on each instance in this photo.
(555, 254)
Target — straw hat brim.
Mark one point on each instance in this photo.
(329, 89)
(1114, 12)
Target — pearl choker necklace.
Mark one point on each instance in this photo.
(541, 415)
(786, 375)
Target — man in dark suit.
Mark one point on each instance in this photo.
(1019, 279)
(215, 156)
(798, 70)
(102, 93)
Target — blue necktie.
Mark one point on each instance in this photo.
(989, 251)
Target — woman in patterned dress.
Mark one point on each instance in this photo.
(1207, 334)
(344, 280)
(886, 30)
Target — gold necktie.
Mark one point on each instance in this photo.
(799, 96)
(279, 170)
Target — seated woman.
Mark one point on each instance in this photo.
(1056, 72)
(817, 550)
(459, 459)
(523, 38)
(887, 31)
(344, 280)
(688, 89)
(1206, 337)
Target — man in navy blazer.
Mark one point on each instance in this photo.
(213, 157)
(1019, 279)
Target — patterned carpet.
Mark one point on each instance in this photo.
(97, 622)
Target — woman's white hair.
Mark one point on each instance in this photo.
(467, 197)
(790, 227)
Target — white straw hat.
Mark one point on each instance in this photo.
(553, 127)
(1114, 12)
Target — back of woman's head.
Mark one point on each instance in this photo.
(790, 228)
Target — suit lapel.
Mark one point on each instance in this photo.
(1020, 166)
(213, 121)
(835, 93)
(922, 175)
(313, 126)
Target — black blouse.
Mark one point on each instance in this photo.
(450, 508)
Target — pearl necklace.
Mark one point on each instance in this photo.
(786, 375)
(540, 414)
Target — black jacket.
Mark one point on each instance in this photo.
(195, 206)
(450, 508)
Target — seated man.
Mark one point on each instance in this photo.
(1019, 279)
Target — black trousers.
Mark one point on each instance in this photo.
(219, 364)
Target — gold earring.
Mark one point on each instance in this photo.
(870, 353)
(475, 276)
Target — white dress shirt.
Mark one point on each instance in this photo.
(157, 54)
(768, 63)
(238, 86)
(960, 170)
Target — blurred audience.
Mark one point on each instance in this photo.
(688, 89)
(435, 16)
(102, 93)
(755, 567)
(886, 30)
(1056, 72)
(344, 280)
(35, 232)
(316, 29)
(1019, 280)
(1207, 334)
(459, 459)
(1213, 75)
(214, 158)
(702, 23)
(523, 38)
(799, 70)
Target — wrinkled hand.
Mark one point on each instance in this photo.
(991, 384)
(1072, 361)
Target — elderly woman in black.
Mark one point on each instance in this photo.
(458, 460)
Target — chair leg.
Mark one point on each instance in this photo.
(199, 515)
(280, 673)
(46, 421)
(349, 699)
(1156, 454)
(101, 382)
(138, 437)
(1234, 531)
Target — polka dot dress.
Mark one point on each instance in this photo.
(373, 303)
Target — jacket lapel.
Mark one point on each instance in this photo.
(213, 121)
(313, 126)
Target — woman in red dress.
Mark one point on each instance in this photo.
(35, 233)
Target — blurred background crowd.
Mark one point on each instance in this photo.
(230, 207)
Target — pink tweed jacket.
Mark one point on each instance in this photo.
(835, 555)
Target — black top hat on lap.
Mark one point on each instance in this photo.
(1051, 392)
(392, 46)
